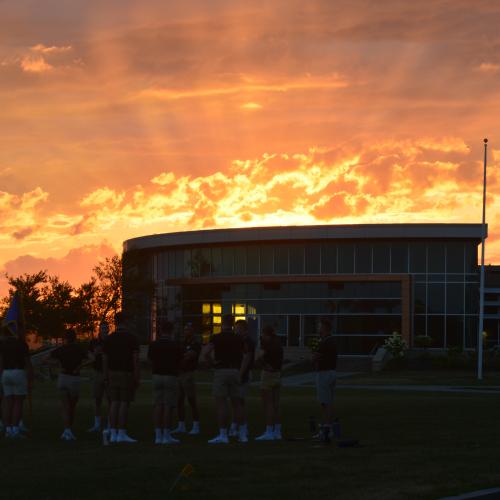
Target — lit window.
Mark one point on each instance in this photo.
(217, 329)
(205, 308)
(239, 309)
(217, 309)
(217, 320)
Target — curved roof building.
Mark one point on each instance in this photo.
(370, 280)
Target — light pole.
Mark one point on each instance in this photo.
(481, 282)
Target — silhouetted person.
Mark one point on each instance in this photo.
(122, 376)
(191, 348)
(70, 357)
(16, 374)
(270, 384)
(226, 351)
(165, 355)
(100, 390)
(325, 360)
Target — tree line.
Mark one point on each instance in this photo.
(52, 305)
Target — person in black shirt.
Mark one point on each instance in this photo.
(122, 376)
(325, 360)
(226, 351)
(100, 389)
(241, 329)
(165, 355)
(70, 357)
(187, 385)
(16, 375)
(272, 361)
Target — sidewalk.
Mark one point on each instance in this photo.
(308, 380)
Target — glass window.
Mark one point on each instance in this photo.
(266, 260)
(399, 258)
(296, 259)
(381, 258)
(346, 258)
(471, 328)
(471, 257)
(454, 331)
(239, 261)
(417, 258)
(419, 325)
(436, 257)
(216, 263)
(454, 258)
(313, 258)
(420, 299)
(472, 298)
(281, 259)
(205, 262)
(328, 258)
(252, 260)
(227, 261)
(454, 298)
(435, 297)
(187, 263)
(171, 264)
(363, 261)
(435, 329)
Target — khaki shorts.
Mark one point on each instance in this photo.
(121, 386)
(270, 380)
(69, 385)
(14, 383)
(325, 386)
(99, 386)
(227, 383)
(165, 390)
(187, 384)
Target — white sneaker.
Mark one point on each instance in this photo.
(71, 436)
(278, 436)
(170, 440)
(125, 438)
(158, 440)
(219, 440)
(113, 436)
(194, 432)
(180, 429)
(22, 427)
(242, 437)
(233, 433)
(95, 428)
(65, 436)
(267, 436)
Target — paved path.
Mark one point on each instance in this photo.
(307, 380)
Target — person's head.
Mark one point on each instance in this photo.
(241, 327)
(325, 327)
(70, 336)
(166, 328)
(188, 330)
(227, 322)
(103, 329)
(268, 334)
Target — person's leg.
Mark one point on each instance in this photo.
(123, 415)
(267, 400)
(181, 410)
(276, 412)
(7, 416)
(193, 403)
(158, 418)
(17, 410)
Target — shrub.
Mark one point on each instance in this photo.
(396, 345)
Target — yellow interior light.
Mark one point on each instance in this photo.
(237, 318)
(217, 309)
(217, 329)
(205, 308)
(217, 320)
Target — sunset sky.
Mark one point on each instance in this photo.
(125, 118)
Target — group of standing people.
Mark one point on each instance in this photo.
(117, 374)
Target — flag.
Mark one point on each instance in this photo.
(14, 319)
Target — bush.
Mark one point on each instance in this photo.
(395, 345)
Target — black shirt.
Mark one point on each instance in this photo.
(272, 357)
(165, 355)
(248, 348)
(326, 354)
(96, 348)
(228, 350)
(120, 347)
(14, 352)
(71, 357)
(188, 347)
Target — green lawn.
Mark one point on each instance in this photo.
(414, 446)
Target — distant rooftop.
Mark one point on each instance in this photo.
(302, 233)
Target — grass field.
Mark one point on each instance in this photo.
(414, 445)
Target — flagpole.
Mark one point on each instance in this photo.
(481, 282)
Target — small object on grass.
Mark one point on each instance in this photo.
(186, 471)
